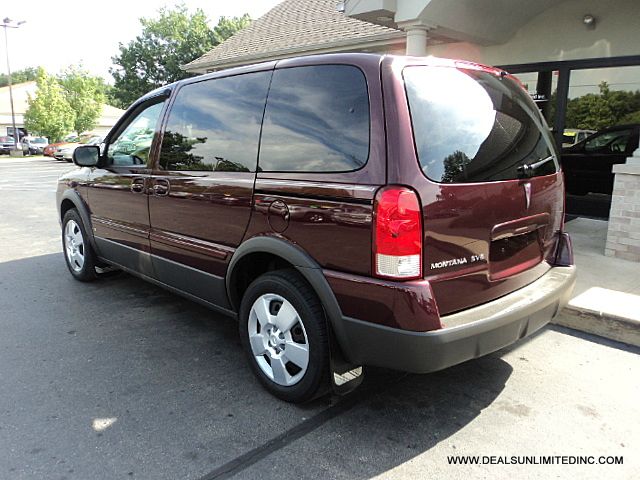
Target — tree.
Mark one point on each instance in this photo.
(176, 151)
(595, 111)
(25, 75)
(228, 26)
(631, 118)
(454, 167)
(85, 95)
(174, 38)
(49, 114)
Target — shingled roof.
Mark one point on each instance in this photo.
(293, 27)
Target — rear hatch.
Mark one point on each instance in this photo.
(492, 195)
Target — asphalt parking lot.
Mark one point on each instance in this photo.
(120, 379)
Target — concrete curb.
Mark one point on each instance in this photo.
(603, 324)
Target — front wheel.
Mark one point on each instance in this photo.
(284, 334)
(78, 253)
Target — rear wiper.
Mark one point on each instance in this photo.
(527, 170)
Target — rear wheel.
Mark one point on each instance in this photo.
(284, 334)
(78, 253)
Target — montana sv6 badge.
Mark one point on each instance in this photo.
(457, 261)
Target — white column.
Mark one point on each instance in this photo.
(416, 40)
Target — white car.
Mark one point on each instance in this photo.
(65, 152)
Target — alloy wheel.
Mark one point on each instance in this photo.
(74, 245)
(278, 339)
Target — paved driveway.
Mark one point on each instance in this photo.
(120, 379)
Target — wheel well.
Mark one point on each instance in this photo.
(65, 207)
(249, 268)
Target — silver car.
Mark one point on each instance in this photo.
(34, 145)
(65, 152)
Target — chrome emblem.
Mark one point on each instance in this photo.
(527, 193)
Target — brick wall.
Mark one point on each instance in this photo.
(623, 237)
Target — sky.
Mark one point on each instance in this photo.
(59, 33)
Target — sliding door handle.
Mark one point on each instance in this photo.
(161, 187)
(138, 185)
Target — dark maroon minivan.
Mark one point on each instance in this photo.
(348, 210)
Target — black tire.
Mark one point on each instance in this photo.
(291, 286)
(87, 271)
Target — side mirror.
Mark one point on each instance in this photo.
(86, 155)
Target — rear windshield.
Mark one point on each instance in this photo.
(474, 126)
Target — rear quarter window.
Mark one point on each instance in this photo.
(474, 126)
(316, 120)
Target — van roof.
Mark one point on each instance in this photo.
(354, 58)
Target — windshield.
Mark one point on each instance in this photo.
(475, 126)
(91, 141)
(39, 140)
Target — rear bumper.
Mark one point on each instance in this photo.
(465, 335)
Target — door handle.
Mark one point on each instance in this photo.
(161, 187)
(138, 185)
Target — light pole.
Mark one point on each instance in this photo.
(7, 23)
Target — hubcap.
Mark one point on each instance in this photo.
(74, 245)
(278, 339)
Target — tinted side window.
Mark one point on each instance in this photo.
(317, 120)
(133, 144)
(214, 125)
(610, 142)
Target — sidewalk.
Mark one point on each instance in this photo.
(606, 300)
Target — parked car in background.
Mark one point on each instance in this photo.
(340, 226)
(6, 144)
(50, 149)
(571, 136)
(588, 165)
(65, 152)
(34, 145)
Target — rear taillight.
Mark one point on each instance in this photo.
(397, 234)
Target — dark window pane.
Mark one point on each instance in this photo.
(609, 142)
(474, 126)
(133, 144)
(317, 120)
(215, 125)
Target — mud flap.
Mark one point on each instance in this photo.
(345, 376)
